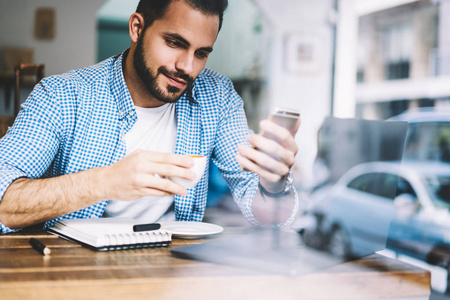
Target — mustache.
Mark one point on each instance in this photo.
(176, 74)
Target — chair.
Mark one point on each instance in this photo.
(10, 57)
(24, 74)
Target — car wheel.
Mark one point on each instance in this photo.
(339, 243)
(312, 235)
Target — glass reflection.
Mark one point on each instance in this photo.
(350, 215)
(381, 202)
(439, 188)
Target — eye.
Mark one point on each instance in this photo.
(201, 54)
(173, 43)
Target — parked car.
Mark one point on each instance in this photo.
(402, 206)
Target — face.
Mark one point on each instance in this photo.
(172, 52)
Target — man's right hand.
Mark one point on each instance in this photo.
(31, 201)
(145, 173)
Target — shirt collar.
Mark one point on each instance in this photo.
(192, 92)
(119, 87)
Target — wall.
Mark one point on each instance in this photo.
(241, 46)
(75, 44)
(112, 19)
(304, 81)
(444, 38)
(73, 47)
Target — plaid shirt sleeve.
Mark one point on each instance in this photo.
(28, 148)
(232, 131)
(69, 123)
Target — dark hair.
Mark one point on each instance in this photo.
(153, 10)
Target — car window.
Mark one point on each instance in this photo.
(362, 182)
(376, 183)
(388, 185)
(439, 186)
(428, 141)
(404, 187)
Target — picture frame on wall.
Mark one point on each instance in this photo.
(302, 52)
(45, 19)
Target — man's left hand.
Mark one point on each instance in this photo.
(272, 155)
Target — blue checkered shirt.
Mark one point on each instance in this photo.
(78, 121)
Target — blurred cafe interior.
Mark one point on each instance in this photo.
(371, 79)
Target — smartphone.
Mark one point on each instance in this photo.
(285, 117)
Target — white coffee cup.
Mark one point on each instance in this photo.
(198, 169)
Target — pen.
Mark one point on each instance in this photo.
(146, 227)
(39, 246)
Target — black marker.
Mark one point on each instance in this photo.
(146, 227)
(40, 247)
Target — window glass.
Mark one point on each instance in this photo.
(379, 184)
(428, 141)
(387, 186)
(404, 187)
(439, 187)
(362, 182)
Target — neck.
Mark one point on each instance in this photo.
(138, 91)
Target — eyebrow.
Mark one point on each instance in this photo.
(184, 41)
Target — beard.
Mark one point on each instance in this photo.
(149, 78)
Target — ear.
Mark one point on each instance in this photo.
(135, 26)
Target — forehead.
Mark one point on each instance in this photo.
(196, 27)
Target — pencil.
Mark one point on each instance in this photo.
(40, 247)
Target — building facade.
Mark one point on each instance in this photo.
(403, 59)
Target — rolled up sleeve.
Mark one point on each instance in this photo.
(232, 132)
(30, 145)
(8, 175)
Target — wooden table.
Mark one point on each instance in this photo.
(74, 272)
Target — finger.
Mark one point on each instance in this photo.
(272, 148)
(151, 184)
(264, 161)
(279, 134)
(168, 170)
(157, 193)
(252, 167)
(164, 158)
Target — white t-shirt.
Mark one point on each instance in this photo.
(155, 130)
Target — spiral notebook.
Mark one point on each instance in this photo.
(105, 234)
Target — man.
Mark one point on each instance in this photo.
(103, 140)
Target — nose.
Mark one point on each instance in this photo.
(185, 63)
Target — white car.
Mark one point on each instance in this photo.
(405, 206)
